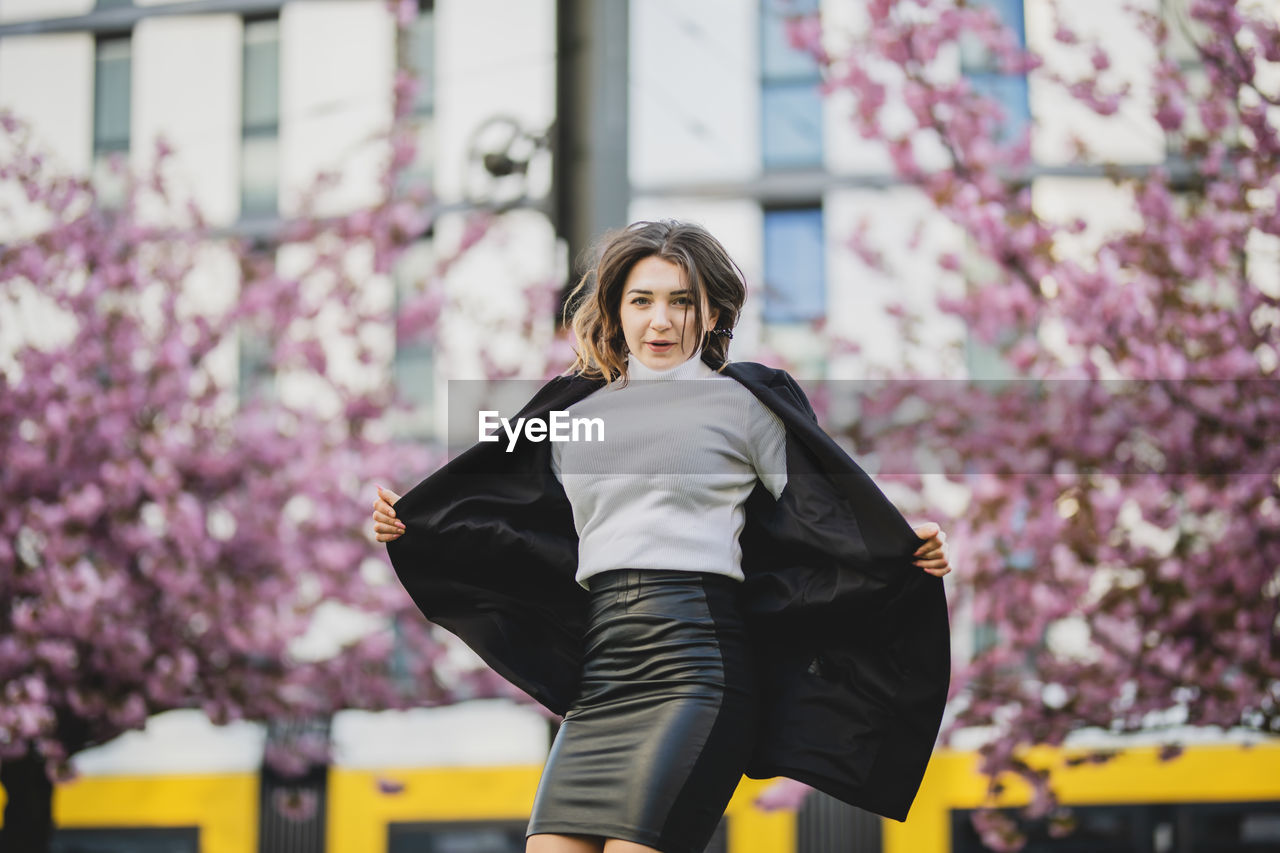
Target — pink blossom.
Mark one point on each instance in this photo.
(147, 560)
(1168, 299)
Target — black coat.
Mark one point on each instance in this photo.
(851, 638)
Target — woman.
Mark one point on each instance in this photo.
(717, 589)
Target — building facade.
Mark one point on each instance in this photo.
(725, 126)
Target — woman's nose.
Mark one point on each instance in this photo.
(660, 319)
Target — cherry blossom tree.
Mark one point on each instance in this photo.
(1120, 543)
(170, 538)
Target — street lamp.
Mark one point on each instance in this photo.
(499, 154)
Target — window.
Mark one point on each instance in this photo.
(488, 837)
(293, 807)
(420, 48)
(255, 344)
(790, 104)
(112, 112)
(825, 824)
(414, 367)
(980, 66)
(415, 372)
(1145, 828)
(257, 381)
(505, 836)
(795, 288)
(422, 57)
(260, 119)
(126, 840)
(984, 360)
(1185, 35)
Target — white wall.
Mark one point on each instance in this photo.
(843, 148)
(186, 89)
(482, 732)
(1104, 208)
(487, 301)
(694, 92)
(336, 67)
(47, 81)
(473, 733)
(178, 742)
(494, 58)
(1131, 135)
(23, 10)
(858, 294)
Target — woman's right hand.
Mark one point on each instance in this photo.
(385, 523)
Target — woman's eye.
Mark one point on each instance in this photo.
(682, 300)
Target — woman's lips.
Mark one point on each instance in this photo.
(660, 347)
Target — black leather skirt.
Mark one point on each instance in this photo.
(659, 736)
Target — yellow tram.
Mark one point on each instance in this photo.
(1215, 798)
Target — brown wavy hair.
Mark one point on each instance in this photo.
(715, 282)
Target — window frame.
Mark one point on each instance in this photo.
(254, 131)
(801, 78)
(773, 291)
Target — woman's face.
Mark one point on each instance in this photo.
(657, 314)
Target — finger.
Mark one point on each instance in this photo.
(931, 554)
(932, 544)
(383, 507)
(937, 573)
(931, 564)
(386, 519)
(927, 530)
(388, 495)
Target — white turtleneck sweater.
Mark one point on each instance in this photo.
(667, 487)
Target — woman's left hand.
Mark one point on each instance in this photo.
(932, 553)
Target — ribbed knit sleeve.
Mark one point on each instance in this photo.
(768, 439)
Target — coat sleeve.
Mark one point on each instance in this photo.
(490, 552)
(856, 651)
(794, 387)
